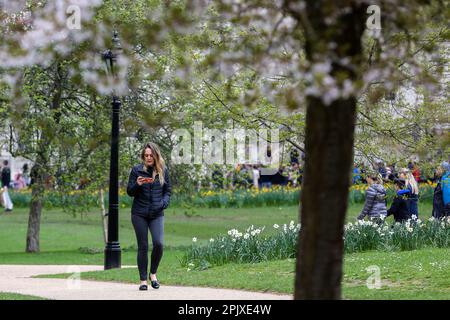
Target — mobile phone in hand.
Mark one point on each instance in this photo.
(148, 180)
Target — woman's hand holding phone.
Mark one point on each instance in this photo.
(141, 180)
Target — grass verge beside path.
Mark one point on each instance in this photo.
(17, 296)
(418, 274)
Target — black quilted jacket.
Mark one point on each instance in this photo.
(150, 199)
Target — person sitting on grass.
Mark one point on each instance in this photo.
(399, 206)
(375, 204)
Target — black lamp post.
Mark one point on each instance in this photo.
(112, 249)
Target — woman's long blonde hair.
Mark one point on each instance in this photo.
(159, 163)
(410, 180)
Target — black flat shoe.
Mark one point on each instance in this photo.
(143, 287)
(155, 284)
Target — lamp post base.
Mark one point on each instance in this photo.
(112, 255)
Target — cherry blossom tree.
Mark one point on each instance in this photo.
(329, 63)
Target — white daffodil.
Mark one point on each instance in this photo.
(246, 236)
(276, 226)
(194, 239)
(211, 240)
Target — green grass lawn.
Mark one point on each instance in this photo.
(17, 296)
(62, 234)
(404, 275)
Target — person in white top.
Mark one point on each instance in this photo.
(255, 172)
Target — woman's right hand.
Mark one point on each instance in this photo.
(140, 180)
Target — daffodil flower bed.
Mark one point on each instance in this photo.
(220, 198)
(283, 196)
(252, 245)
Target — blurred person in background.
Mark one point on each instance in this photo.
(6, 182)
(19, 182)
(413, 197)
(375, 203)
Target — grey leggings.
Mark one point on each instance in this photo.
(141, 226)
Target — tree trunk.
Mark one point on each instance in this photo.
(40, 168)
(34, 219)
(104, 216)
(329, 156)
(331, 35)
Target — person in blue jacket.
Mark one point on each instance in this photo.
(445, 185)
(399, 207)
(413, 196)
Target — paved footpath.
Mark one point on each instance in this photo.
(16, 278)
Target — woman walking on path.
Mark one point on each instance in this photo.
(149, 184)
(375, 204)
(413, 187)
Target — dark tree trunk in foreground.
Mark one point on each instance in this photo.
(328, 148)
(329, 155)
